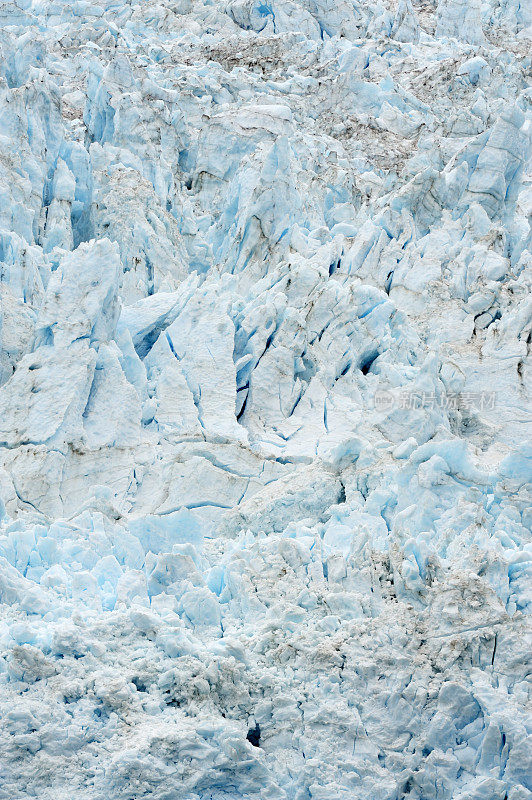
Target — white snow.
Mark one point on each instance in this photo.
(265, 385)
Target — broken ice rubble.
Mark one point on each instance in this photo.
(265, 333)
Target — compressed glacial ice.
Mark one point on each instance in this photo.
(265, 387)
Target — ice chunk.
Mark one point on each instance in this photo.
(82, 296)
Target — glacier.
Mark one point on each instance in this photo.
(265, 395)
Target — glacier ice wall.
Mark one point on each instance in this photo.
(265, 380)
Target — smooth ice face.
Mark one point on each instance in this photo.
(265, 332)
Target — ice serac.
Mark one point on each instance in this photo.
(405, 27)
(81, 300)
(460, 19)
(265, 385)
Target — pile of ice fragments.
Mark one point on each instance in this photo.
(265, 378)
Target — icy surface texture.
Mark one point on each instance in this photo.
(265, 389)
